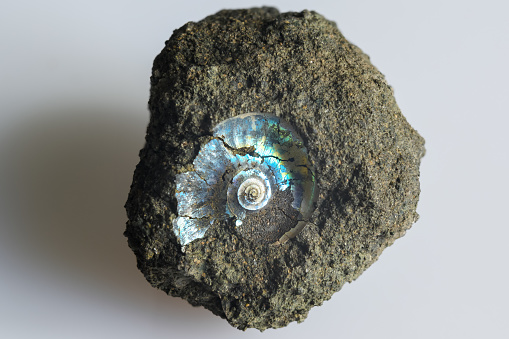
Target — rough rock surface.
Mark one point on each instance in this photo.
(366, 155)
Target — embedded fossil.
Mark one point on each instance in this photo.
(226, 196)
(254, 170)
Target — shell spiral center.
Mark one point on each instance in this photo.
(254, 192)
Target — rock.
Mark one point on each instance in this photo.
(366, 157)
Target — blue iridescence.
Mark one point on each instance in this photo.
(249, 141)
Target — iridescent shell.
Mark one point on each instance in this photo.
(254, 172)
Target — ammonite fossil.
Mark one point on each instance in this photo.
(277, 167)
(254, 170)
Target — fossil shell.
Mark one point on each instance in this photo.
(254, 172)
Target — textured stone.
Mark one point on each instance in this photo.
(366, 157)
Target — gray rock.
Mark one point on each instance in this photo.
(297, 66)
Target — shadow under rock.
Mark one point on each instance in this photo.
(65, 178)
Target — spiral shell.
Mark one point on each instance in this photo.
(254, 171)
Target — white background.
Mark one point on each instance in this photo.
(74, 85)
